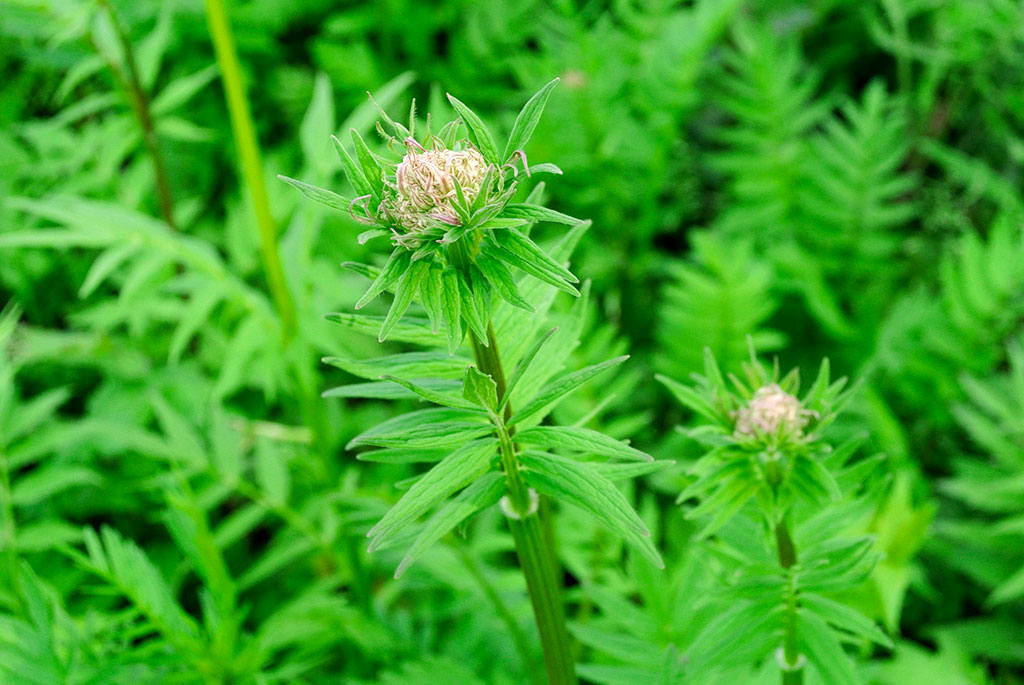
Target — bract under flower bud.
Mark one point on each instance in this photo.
(769, 409)
(424, 186)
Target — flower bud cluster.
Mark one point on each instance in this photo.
(423, 191)
(770, 410)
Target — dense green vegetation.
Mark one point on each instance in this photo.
(185, 485)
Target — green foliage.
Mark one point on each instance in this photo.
(816, 180)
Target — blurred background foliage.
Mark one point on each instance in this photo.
(837, 178)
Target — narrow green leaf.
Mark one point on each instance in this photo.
(563, 386)
(846, 618)
(352, 170)
(580, 440)
(402, 455)
(452, 300)
(472, 297)
(408, 365)
(478, 133)
(527, 120)
(581, 486)
(532, 212)
(483, 493)
(455, 471)
(411, 329)
(371, 167)
(524, 365)
(431, 295)
(502, 281)
(439, 433)
(408, 288)
(394, 269)
(824, 652)
(431, 395)
(321, 195)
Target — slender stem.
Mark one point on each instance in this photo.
(536, 557)
(252, 167)
(132, 84)
(8, 531)
(514, 629)
(790, 644)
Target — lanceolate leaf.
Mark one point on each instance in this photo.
(394, 269)
(371, 167)
(451, 300)
(471, 298)
(561, 387)
(580, 440)
(483, 493)
(478, 133)
(352, 170)
(407, 289)
(407, 365)
(539, 213)
(824, 652)
(844, 617)
(431, 296)
(461, 467)
(581, 486)
(427, 393)
(527, 120)
(500, 277)
(524, 364)
(321, 195)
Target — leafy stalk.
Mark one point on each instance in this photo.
(536, 557)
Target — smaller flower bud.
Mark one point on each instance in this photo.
(769, 409)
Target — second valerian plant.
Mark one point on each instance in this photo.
(461, 249)
(769, 462)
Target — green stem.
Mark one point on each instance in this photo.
(790, 644)
(9, 536)
(132, 84)
(252, 167)
(533, 547)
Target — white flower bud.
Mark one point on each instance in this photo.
(424, 185)
(769, 409)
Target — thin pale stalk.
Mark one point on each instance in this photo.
(536, 559)
(252, 167)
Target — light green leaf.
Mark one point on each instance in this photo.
(484, 492)
(321, 195)
(393, 270)
(455, 471)
(844, 617)
(582, 486)
(562, 387)
(408, 288)
(580, 440)
(478, 133)
(527, 120)
(824, 652)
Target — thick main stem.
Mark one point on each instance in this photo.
(790, 644)
(536, 558)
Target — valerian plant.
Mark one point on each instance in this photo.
(461, 249)
(769, 456)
